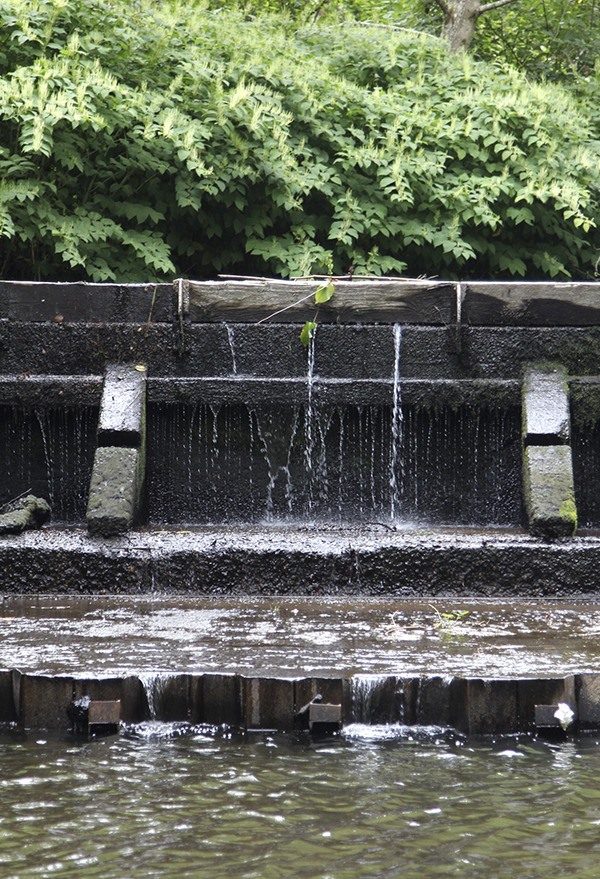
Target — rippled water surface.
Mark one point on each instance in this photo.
(376, 803)
(298, 635)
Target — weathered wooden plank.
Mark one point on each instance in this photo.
(522, 303)
(92, 303)
(420, 302)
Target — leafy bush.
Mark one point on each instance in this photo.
(139, 141)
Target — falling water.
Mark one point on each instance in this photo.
(377, 699)
(309, 426)
(231, 340)
(395, 462)
(155, 688)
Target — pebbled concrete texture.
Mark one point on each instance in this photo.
(115, 490)
(270, 561)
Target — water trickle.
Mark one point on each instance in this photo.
(231, 341)
(309, 426)
(377, 699)
(155, 686)
(395, 459)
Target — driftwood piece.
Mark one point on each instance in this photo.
(419, 302)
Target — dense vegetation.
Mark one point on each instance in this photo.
(143, 140)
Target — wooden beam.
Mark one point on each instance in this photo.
(417, 302)
(535, 304)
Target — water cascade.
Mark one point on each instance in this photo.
(433, 440)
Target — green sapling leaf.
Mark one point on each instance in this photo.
(324, 292)
(307, 331)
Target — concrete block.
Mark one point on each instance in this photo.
(442, 702)
(217, 700)
(104, 713)
(122, 419)
(492, 706)
(8, 710)
(116, 490)
(44, 701)
(324, 718)
(268, 703)
(129, 691)
(546, 419)
(588, 701)
(331, 689)
(549, 491)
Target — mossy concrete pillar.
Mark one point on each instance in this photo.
(548, 485)
(118, 476)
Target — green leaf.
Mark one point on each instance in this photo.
(306, 333)
(324, 293)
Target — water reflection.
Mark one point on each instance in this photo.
(267, 807)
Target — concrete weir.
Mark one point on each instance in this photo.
(435, 440)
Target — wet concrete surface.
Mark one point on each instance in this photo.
(299, 635)
(374, 559)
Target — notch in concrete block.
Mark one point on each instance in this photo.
(554, 720)
(116, 490)
(549, 491)
(545, 395)
(123, 407)
(8, 710)
(542, 691)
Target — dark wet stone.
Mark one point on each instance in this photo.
(27, 512)
(589, 701)
(44, 701)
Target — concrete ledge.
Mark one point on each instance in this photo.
(253, 561)
(549, 491)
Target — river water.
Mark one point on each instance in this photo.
(297, 636)
(379, 802)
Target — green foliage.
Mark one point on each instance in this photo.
(549, 39)
(138, 141)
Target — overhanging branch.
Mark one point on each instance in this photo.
(495, 5)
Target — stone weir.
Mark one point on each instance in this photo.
(430, 441)
(431, 438)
